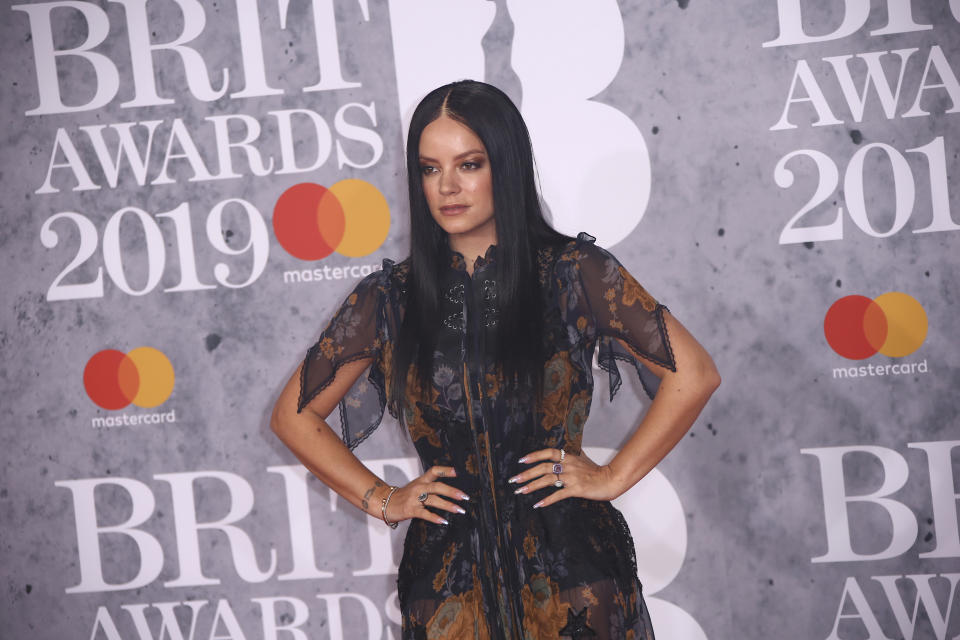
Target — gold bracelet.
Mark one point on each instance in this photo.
(383, 508)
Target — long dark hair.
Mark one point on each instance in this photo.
(521, 231)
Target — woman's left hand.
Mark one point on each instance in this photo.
(580, 476)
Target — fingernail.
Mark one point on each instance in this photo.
(523, 459)
(442, 521)
(513, 480)
(522, 489)
(460, 510)
(538, 505)
(464, 496)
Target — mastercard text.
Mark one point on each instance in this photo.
(326, 272)
(874, 370)
(134, 419)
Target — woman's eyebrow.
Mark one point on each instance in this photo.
(457, 157)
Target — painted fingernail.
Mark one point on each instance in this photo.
(522, 489)
(513, 480)
(538, 505)
(442, 521)
(460, 510)
(523, 459)
(464, 496)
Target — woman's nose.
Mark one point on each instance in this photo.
(449, 183)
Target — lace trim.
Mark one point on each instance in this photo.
(631, 550)
(366, 433)
(670, 361)
(306, 399)
(350, 440)
(607, 361)
(458, 262)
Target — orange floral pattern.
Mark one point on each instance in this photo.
(633, 292)
(546, 613)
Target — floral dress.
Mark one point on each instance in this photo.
(504, 570)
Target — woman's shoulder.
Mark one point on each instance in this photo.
(388, 281)
(390, 274)
(574, 252)
(393, 279)
(395, 272)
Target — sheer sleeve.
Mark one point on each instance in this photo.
(358, 330)
(621, 309)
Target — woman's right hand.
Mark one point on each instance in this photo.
(405, 504)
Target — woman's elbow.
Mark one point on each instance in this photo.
(702, 375)
(710, 378)
(278, 423)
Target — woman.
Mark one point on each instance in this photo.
(481, 344)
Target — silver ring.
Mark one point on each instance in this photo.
(557, 468)
(423, 497)
(563, 454)
(559, 483)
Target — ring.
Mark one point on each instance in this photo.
(559, 483)
(563, 454)
(557, 468)
(422, 497)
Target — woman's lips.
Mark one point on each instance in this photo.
(453, 209)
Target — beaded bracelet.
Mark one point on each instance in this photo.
(383, 508)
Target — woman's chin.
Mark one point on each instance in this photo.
(453, 226)
(460, 225)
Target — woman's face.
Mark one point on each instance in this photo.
(457, 183)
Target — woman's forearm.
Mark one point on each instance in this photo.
(318, 447)
(326, 457)
(679, 400)
(671, 414)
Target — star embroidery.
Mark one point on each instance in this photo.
(577, 625)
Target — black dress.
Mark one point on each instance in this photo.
(505, 570)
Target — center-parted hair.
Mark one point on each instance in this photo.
(521, 231)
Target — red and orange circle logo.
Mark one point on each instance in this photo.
(893, 324)
(114, 379)
(351, 217)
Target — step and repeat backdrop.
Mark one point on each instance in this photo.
(191, 187)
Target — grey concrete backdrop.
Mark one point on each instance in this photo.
(698, 84)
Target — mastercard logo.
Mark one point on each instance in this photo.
(114, 379)
(893, 324)
(351, 217)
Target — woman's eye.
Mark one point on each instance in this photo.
(471, 165)
(427, 169)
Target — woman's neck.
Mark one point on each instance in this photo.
(472, 248)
